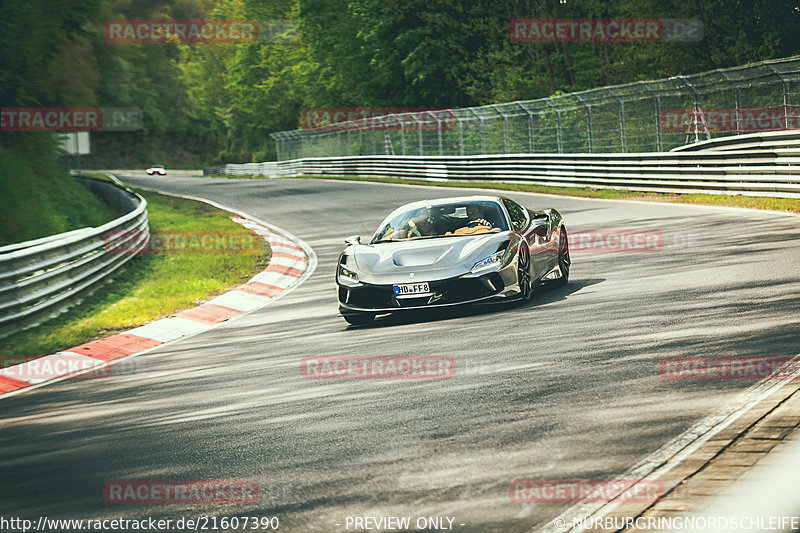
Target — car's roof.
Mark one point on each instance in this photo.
(450, 200)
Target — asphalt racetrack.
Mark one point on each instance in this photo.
(567, 386)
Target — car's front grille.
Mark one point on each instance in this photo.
(466, 289)
(414, 302)
(449, 291)
(369, 297)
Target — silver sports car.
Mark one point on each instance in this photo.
(451, 251)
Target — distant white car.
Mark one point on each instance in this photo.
(157, 169)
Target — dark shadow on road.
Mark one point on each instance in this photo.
(545, 294)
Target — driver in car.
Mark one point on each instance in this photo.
(420, 226)
(476, 216)
(477, 222)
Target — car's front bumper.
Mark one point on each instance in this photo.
(498, 285)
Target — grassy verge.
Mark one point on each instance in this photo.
(789, 205)
(40, 188)
(152, 285)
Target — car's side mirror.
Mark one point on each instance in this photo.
(354, 239)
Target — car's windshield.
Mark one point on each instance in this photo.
(448, 220)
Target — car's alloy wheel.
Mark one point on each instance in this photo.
(524, 274)
(359, 319)
(564, 261)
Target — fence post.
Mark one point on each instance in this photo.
(623, 138)
(460, 136)
(439, 128)
(276, 137)
(558, 123)
(419, 136)
(483, 137)
(785, 94)
(402, 133)
(657, 102)
(505, 127)
(588, 122)
(530, 125)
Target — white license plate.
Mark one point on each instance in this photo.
(411, 288)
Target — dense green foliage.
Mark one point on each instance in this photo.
(38, 198)
(206, 103)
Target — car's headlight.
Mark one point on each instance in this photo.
(493, 260)
(347, 277)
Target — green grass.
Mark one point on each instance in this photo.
(790, 205)
(39, 198)
(153, 285)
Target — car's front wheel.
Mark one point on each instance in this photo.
(359, 319)
(524, 274)
(564, 261)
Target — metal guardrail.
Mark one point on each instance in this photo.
(773, 140)
(771, 172)
(43, 277)
(270, 168)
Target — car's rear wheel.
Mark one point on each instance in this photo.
(359, 319)
(564, 260)
(524, 274)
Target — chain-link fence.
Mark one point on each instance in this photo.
(645, 116)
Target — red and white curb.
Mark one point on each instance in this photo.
(292, 262)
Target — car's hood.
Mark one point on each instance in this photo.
(422, 259)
